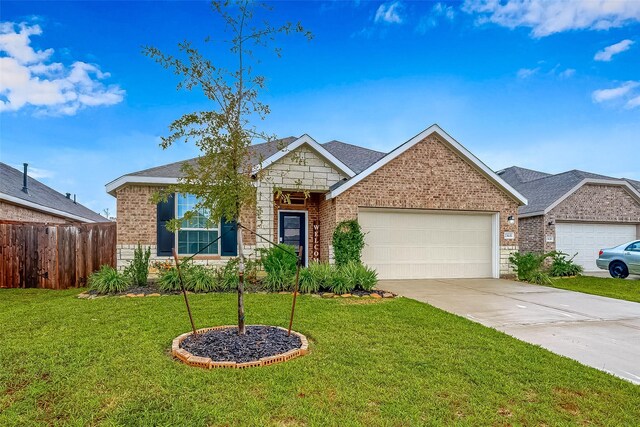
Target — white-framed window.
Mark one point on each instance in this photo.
(194, 234)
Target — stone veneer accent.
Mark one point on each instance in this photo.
(302, 169)
(11, 212)
(598, 203)
(429, 175)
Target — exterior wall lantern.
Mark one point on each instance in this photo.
(511, 220)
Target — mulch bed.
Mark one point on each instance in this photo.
(152, 290)
(225, 345)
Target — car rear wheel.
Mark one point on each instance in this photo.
(618, 270)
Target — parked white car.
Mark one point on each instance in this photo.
(621, 260)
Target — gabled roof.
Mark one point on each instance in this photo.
(452, 143)
(340, 155)
(357, 158)
(519, 175)
(546, 192)
(306, 140)
(41, 197)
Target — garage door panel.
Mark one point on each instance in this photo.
(419, 244)
(586, 239)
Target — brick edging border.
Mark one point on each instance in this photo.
(205, 362)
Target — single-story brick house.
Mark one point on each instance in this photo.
(575, 212)
(429, 208)
(25, 199)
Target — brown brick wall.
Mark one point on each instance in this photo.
(590, 203)
(13, 212)
(327, 215)
(598, 203)
(137, 216)
(429, 175)
(531, 232)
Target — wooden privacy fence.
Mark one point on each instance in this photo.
(53, 256)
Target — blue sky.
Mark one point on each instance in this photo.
(546, 85)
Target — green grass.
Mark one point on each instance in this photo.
(67, 361)
(626, 289)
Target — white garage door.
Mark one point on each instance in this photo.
(414, 244)
(587, 239)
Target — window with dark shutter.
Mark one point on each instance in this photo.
(166, 238)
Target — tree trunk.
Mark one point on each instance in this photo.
(241, 326)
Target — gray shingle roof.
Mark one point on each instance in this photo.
(355, 157)
(40, 194)
(543, 191)
(259, 152)
(520, 175)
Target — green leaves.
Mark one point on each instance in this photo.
(348, 241)
(108, 280)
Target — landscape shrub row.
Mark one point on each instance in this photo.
(279, 265)
(532, 267)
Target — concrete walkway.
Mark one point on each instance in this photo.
(596, 331)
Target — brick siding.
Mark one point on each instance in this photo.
(13, 212)
(430, 175)
(590, 203)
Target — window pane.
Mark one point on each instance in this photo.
(191, 241)
(187, 203)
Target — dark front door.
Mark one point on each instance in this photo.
(293, 230)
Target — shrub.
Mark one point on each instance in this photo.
(359, 276)
(319, 277)
(107, 280)
(201, 279)
(280, 265)
(348, 241)
(279, 280)
(138, 269)
(279, 257)
(527, 264)
(340, 283)
(561, 266)
(169, 280)
(227, 275)
(539, 277)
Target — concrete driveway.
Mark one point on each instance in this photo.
(597, 331)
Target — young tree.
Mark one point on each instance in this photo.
(221, 177)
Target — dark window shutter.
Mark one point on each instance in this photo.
(229, 241)
(166, 238)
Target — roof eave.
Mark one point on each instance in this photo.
(416, 139)
(41, 208)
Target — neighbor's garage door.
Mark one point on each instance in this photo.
(413, 244)
(587, 239)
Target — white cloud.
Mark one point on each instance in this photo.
(546, 17)
(622, 91)
(29, 78)
(524, 73)
(569, 72)
(607, 53)
(389, 13)
(439, 12)
(633, 102)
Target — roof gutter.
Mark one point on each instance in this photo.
(137, 179)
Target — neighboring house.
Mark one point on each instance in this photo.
(429, 208)
(22, 198)
(575, 212)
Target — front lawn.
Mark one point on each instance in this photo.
(387, 362)
(626, 289)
